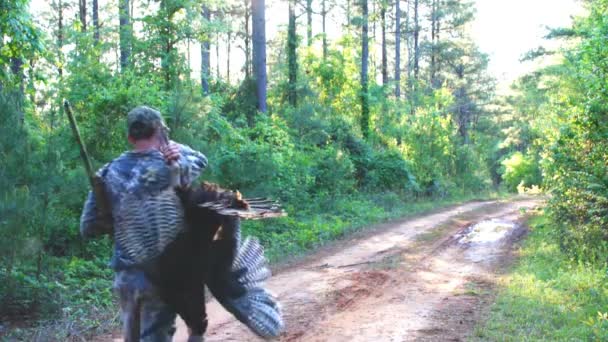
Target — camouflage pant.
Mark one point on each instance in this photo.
(157, 319)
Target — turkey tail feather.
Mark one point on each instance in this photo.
(248, 301)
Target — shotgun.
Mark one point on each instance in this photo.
(103, 207)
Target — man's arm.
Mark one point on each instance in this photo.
(91, 224)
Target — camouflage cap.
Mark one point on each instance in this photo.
(143, 121)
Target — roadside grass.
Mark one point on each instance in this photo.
(547, 296)
(88, 307)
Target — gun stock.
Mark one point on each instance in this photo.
(97, 185)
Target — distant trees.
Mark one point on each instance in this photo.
(398, 48)
(205, 55)
(24, 46)
(82, 14)
(292, 43)
(258, 18)
(384, 98)
(364, 95)
(125, 33)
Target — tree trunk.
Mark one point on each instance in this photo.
(126, 33)
(259, 52)
(308, 23)
(96, 21)
(42, 227)
(364, 66)
(437, 68)
(217, 56)
(247, 40)
(169, 58)
(384, 57)
(19, 92)
(434, 42)
(291, 54)
(397, 49)
(373, 60)
(348, 15)
(416, 44)
(228, 46)
(31, 86)
(410, 50)
(60, 37)
(205, 60)
(463, 112)
(82, 14)
(324, 18)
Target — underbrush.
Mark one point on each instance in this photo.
(76, 296)
(549, 296)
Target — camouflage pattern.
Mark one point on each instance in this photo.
(143, 121)
(137, 174)
(157, 318)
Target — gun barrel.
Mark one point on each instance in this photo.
(97, 185)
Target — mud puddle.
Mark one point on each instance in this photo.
(483, 241)
(423, 279)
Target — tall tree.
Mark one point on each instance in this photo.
(383, 6)
(434, 42)
(348, 15)
(397, 49)
(24, 45)
(228, 46)
(126, 34)
(19, 80)
(450, 18)
(364, 96)
(170, 34)
(247, 39)
(96, 20)
(324, 11)
(292, 43)
(258, 18)
(217, 55)
(82, 14)
(416, 40)
(59, 7)
(205, 60)
(309, 23)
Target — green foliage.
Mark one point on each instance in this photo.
(25, 41)
(386, 170)
(313, 156)
(520, 170)
(576, 156)
(548, 296)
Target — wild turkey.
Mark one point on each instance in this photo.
(186, 238)
(233, 271)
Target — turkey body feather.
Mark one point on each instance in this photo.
(204, 248)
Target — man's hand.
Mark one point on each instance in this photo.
(170, 152)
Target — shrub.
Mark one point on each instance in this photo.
(520, 169)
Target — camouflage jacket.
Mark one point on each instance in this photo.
(136, 173)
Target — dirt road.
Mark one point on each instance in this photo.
(422, 279)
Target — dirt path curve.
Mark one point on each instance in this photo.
(423, 279)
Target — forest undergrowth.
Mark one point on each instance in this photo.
(344, 132)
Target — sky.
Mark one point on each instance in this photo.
(504, 29)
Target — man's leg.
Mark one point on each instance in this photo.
(141, 306)
(157, 320)
(130, 304)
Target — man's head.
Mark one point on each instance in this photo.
(145, 123)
